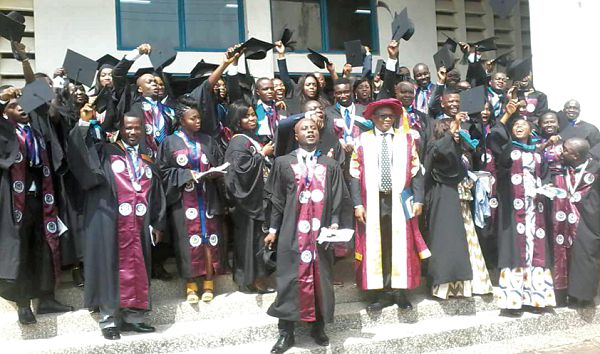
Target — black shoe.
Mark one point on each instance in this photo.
(514, 313)
(77, 274)
(137, 327)
(111, 333)
(267, 290)
(159, 272)
(318, 334)
(402, 301)
(577, 304)
(26, 316)
(52, 306)
(379, 305)
(248, 289)
(284, 342)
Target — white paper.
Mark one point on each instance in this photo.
(339, 235)
(551, 192)
(152, 235)
(62, 228)
(219, 169)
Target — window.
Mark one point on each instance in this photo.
(188, 24)
(343, 20)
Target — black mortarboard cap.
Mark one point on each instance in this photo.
(79, 68)
(35, 94)
(318, 59)
(286, 39)
(450, 43)
(142, 71)
(285, 142)
(11, 28)
(485, 45)
(17, 16)
(503, 8)
(402, 26)
(202, 69)
(255, 48)
(472, 100)
(355, 53)
(444, 57)
(518, 69)
(162, 54)
(503, 59)
(379, 68)
(107, 60)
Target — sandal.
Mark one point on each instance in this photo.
(208, 295)
(192, 293)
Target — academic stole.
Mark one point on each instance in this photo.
(271, 115)
(18, 174)
(565, 217)
(422, 97)
(518, 176)
(310, 195)
(132, 199)
(200, 225)
(156, 123)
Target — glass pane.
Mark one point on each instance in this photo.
(211, 24)
(349, 20)
(140, 20)
(302, 17)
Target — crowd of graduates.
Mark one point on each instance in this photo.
(437, 173)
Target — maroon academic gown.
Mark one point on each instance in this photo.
(120, 207)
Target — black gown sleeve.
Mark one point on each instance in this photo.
(234, 90)
(291, 88)
(9, 145)
(276, 185)
(499, 141)
(84, 156)
(206, 102)
(337, 192)
(158, 211)
(435, 101)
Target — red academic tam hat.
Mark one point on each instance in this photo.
(386, 102)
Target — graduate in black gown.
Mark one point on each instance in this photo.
(245, 187)
(124, 214)
(306, 191)
(194, 201)
(573, 126)
(29, 238)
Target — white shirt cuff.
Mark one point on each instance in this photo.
(390, 64)
(232, 70)
(83, 123)
(133, 55)
(359, 206)
(272, 230)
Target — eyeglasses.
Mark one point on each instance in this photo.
(387, 116)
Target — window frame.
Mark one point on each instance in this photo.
(182, 29)
(325, 34)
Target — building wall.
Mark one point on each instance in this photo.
(563, 43)
(91, 30)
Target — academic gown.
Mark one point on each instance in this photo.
(304, 268)
(117, 266)
(245, 187)
(449, 260)
(582, 129)
(511, 211)
(183, 211)
(582, 238)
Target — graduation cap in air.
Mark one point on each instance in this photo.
(402, 26)
(518, 69)
(355, 53)
(107, 60)
(385, 6)
(79, 68)
(162, 55)
(12, 26)
(286, 39)
(485, 45)
(450, 43)
(255, 48)
(199, 72)
(35, 94)
(503, 8)
(503, 59)
(472, 100)
(318, 59)
(444, 57)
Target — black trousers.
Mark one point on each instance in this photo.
(36, 272)
(385, 224)
(287, 327)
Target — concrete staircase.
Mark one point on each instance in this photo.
(237, 322)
